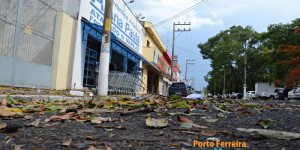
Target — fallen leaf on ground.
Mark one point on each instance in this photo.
(28, 117)
(221, 110)
(12, 100)
(161, 133)
(208, 132)
(220, 115)
(273, 134)
(182, 104)
(99, 120)
(240, 109)
(92, 148)
(5, 113)
(89, 137)
(81, 119)
(2, 125)
(156, 123)
(35, 123)
(12, 136)
(94, 111)
(264, 123)
(41, 113)
(199, 126)
(186, 123)
(3, 107)
(247, 113)
(51, 124)
(56, 118)
(13, 109)
(67, 143)
(180, 113)
(250, 105)
(209, 120)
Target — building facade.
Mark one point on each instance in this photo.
(155, 80)
(61, 50)
(177, 70)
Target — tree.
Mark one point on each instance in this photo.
(281, 45)
(226, 52)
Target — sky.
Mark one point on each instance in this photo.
(207, 20)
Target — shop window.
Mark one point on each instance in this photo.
(116, 61)
(91, 64)
(131, 66)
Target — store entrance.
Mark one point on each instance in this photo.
(91, 65)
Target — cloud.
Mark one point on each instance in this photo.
(215, 14)
(230, 10)
(156, 11)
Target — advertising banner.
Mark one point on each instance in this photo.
(124, 24)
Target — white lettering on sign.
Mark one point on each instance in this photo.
(124, 24)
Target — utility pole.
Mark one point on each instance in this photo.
(186, 64)
(224, 82)
(105, 50)
(245, 72)
(174, 24)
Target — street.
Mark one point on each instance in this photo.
(119, 122)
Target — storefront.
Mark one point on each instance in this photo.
(125, 53)
(122, 59)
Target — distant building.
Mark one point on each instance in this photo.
(155, 79)
(177, 70)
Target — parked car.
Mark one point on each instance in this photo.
(227, 95)
(209, 95)
(251, 94)
(233, 95)
(297, 93)
(291, 93)
(178, 88)
(283, 94)
(239, 96)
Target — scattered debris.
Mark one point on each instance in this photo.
(273, 134)
(67, 143)
(156, 123)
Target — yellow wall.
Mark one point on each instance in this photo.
(145, 78)
(148, 52)
(64, 52)
(152, 47)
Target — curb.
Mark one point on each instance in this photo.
(47, 98)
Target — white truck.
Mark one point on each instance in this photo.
(266, 90)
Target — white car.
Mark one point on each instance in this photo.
(297, 93)
(251, 94)
(291, 93)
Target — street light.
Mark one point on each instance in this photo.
(187, 62)
(125, 4)
(131, 1)
(139, 16)
(245, 72)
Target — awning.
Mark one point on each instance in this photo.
(119, 42)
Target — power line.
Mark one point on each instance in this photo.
(182, 13)
(178, 35)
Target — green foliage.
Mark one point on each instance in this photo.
(266, 123)
(175, 97)
(226, 50)
(181, 104)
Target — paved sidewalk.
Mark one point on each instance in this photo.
(46, 98)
